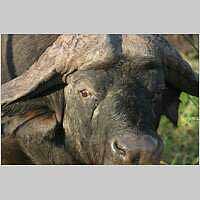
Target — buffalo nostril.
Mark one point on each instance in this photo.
(136, 150)
(129, 156)
(119, 149)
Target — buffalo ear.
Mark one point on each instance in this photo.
(171, 104)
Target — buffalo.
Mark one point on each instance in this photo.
(89, 99)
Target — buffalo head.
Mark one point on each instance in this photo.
(114, 88)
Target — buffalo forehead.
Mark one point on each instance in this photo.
(134, 45)
(96, 79)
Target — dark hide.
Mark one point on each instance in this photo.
(89, 99)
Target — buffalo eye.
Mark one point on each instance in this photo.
(85, 93)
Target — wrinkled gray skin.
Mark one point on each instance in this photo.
(98, 116)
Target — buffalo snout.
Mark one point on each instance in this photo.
(136, 149)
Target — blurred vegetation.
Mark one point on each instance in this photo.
(181, 143)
